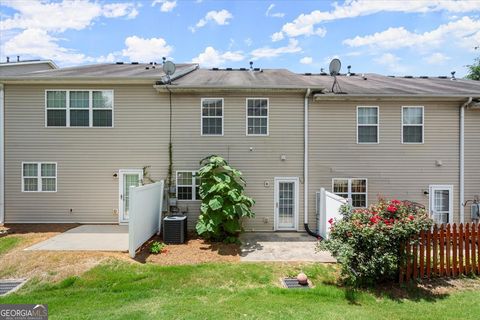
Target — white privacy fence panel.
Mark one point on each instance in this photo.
(145, 211)
(328, 207)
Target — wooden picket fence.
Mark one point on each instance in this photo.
(445, 251)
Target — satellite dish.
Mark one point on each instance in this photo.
(334, 67)
(169, 68)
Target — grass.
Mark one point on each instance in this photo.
(8, 243)
(119, 290)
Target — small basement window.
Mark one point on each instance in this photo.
(188, 185)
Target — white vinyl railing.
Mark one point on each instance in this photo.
(328, 207)
(145, 210)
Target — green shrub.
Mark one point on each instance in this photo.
(158, 247)
(366, 242)
(223, 201)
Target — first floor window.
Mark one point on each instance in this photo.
(412, 124)
(257, 116)
(353, 189)
(367, 124)
(39, 177)
(79, 108)
(212, 117)
(188, 185)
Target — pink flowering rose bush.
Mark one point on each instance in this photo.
(366, 242)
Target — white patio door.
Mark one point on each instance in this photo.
(127, 178)
(286, 203)
(441, 203)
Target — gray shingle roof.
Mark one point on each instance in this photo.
(383, 85)
(106, 71)
(236, 78)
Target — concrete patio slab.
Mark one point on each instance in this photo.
(87, 238)
(276, 246)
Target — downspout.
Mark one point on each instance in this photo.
(305, 167)
(2, 156)
(462, 158)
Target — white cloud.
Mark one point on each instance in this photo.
(306, 60)
(248, 42)
(462, 32)
(304, 24)
(436, 58)
(268, 52)
(61, 16)
(391, 62)
(277, 36)
(38, 43)
(221, 17)
(146, 49)
(214, 58)
(114, 10)
(165, 5)
(269, 12)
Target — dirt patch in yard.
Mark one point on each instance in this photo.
(195, 251)
(57, 265)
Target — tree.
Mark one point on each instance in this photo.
(474, 70)
(223, 202)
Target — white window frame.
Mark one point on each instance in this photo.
(349, 193)
(431, 198)
(193, 185)
(414, 125)
(90, 108)
(253, 117)
(369, 125)
(202, 117)
(39, 176)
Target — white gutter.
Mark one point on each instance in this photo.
(305, 158)
(2, 157)
(462, 158)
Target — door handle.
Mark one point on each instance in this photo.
(121, 197)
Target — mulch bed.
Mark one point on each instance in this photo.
(194, 251)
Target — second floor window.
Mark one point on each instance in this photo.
(367, 125)
(79, 108)
(412, 124)
(257, 117)
(212, 117)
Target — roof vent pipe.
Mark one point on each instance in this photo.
(349, 73)
(18, 58)
(453, 76)
(251, 65)
(8, 59)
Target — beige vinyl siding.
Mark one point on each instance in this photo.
(260, 165)
(86, 158)
(393, 169)
(472, 158)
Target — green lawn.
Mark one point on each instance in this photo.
(228, 291)
(8, 243)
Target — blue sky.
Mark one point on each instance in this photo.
(387, 37)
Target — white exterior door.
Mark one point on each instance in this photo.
(441, 203)
(127, 178)
(286, 203)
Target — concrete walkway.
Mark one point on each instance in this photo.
(87, 238)
(280, 246)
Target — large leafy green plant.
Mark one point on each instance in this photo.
(366, 242)
(223, 202)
